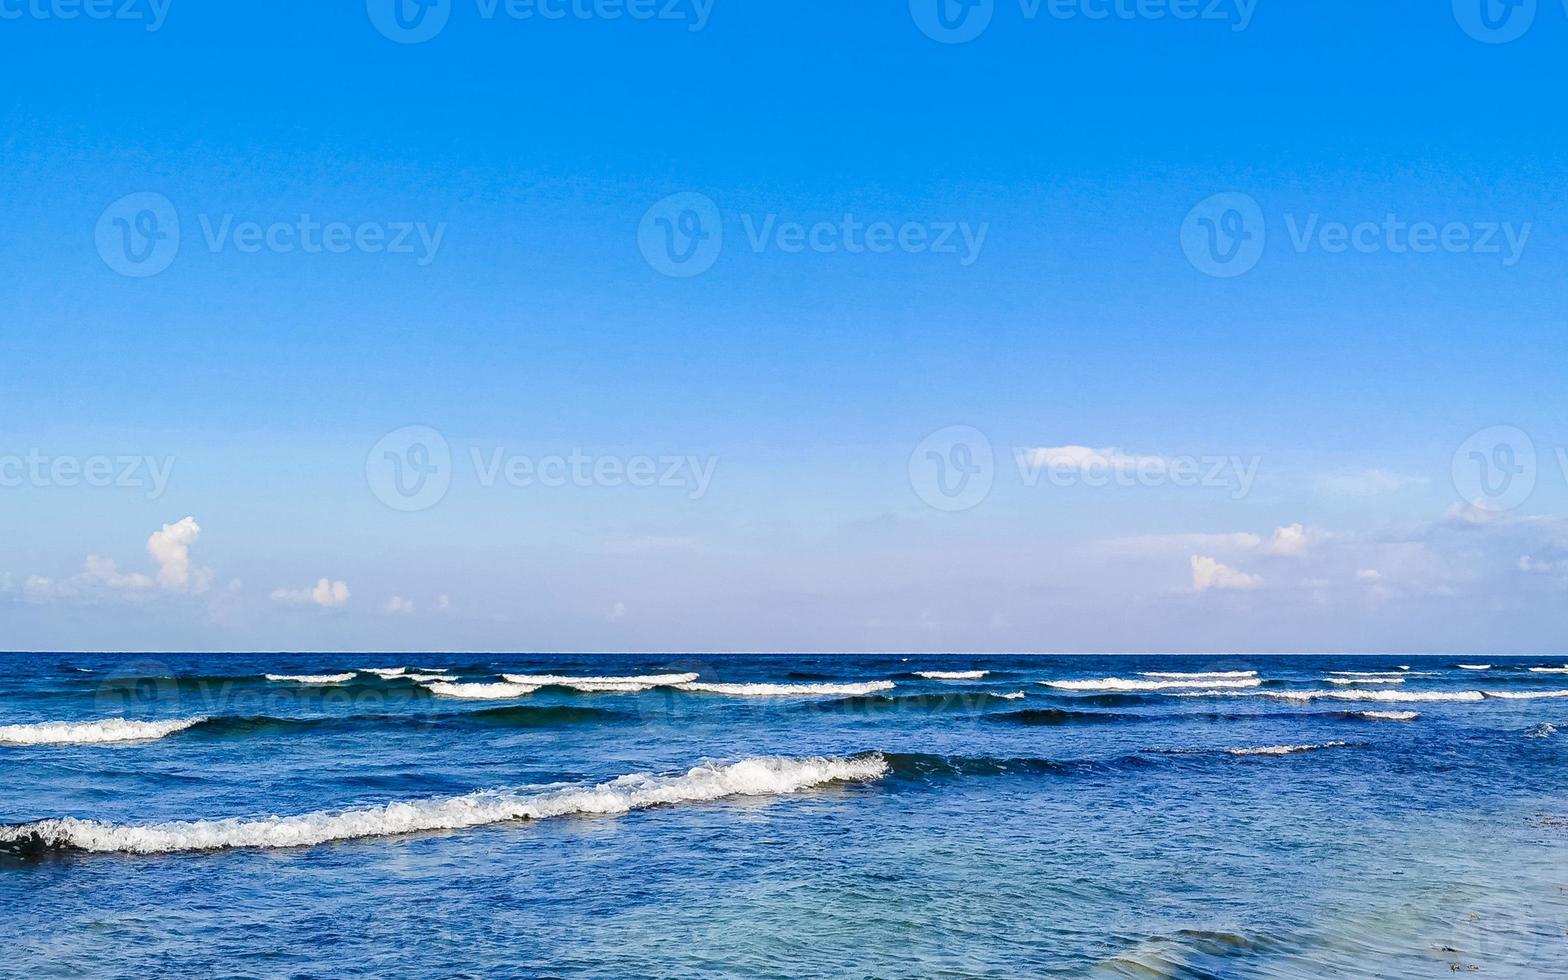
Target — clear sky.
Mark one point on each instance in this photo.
(811, 326)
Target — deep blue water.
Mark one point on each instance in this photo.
(931, 829)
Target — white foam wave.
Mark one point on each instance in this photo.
(1388, 715)
(1177, 675)
(425, 678)
(480, 692)
(1365, 680)
(1356, 695)
(1474, 666)
(750, 777)
(1010, 697)
(1526, 695)
(789, 690)
(385, 673)
(1288, 749)
(311, 678)
(1118, 684)
(1366, 673)
(91, 732)
(1549, 670)
(602, 685)
(1543, 730)
(952, 675)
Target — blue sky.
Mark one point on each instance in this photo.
(1062, 157)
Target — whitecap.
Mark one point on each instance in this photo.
(1356, 695)
(1010, 697)
(952, 675)
(1388, 715)
(1543, 730)
(602, 685)
(1365, 680)
(768, 776)
(1474, 666)
(1288, 749)
(480, 692)
(1176, 675)
(310, 678)
(1549, 670)
(788, 690)
(1118, 684)
(92, 732)
(1365, 673)
(1525, 695)
(385, 673)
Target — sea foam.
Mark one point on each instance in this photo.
(952, 675)
(1177, 675)
(1288, 749)
(766, 776)
(1118, 684)
(788, 690)
(602, 685)
(311, 678)
(480, 692)
(102, 732)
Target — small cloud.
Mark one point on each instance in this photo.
(618, 612)
(106, 571)
(1542, 566)
(1209, 574)
(1468, 515)
(170, 547)
(325, 593)
(443, 602)
(1288, 542)
(1367, 483)
(1083, 458)
(397, 605)
(1369, 575)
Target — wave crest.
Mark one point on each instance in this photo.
(103, 732)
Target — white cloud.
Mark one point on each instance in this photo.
(1288, 542)
(170, 547)
(106, 571)
(443, 602)
(1209, 574)
(618, 613)
(1542, 566)
(1369, 575)
(325, 593)
(400, 606)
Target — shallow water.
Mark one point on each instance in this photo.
(1144, 826)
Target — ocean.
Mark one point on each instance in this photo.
(418, 815)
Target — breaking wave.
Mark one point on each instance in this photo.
(480, 692)
(952, 675)
(1289, 749)
(1118, 684)
(601, 685)
(1177, 675)
(787, 690)
(103, 732)
(763, 776)
(311, 678)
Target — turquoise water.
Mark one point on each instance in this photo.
(1269, 823)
